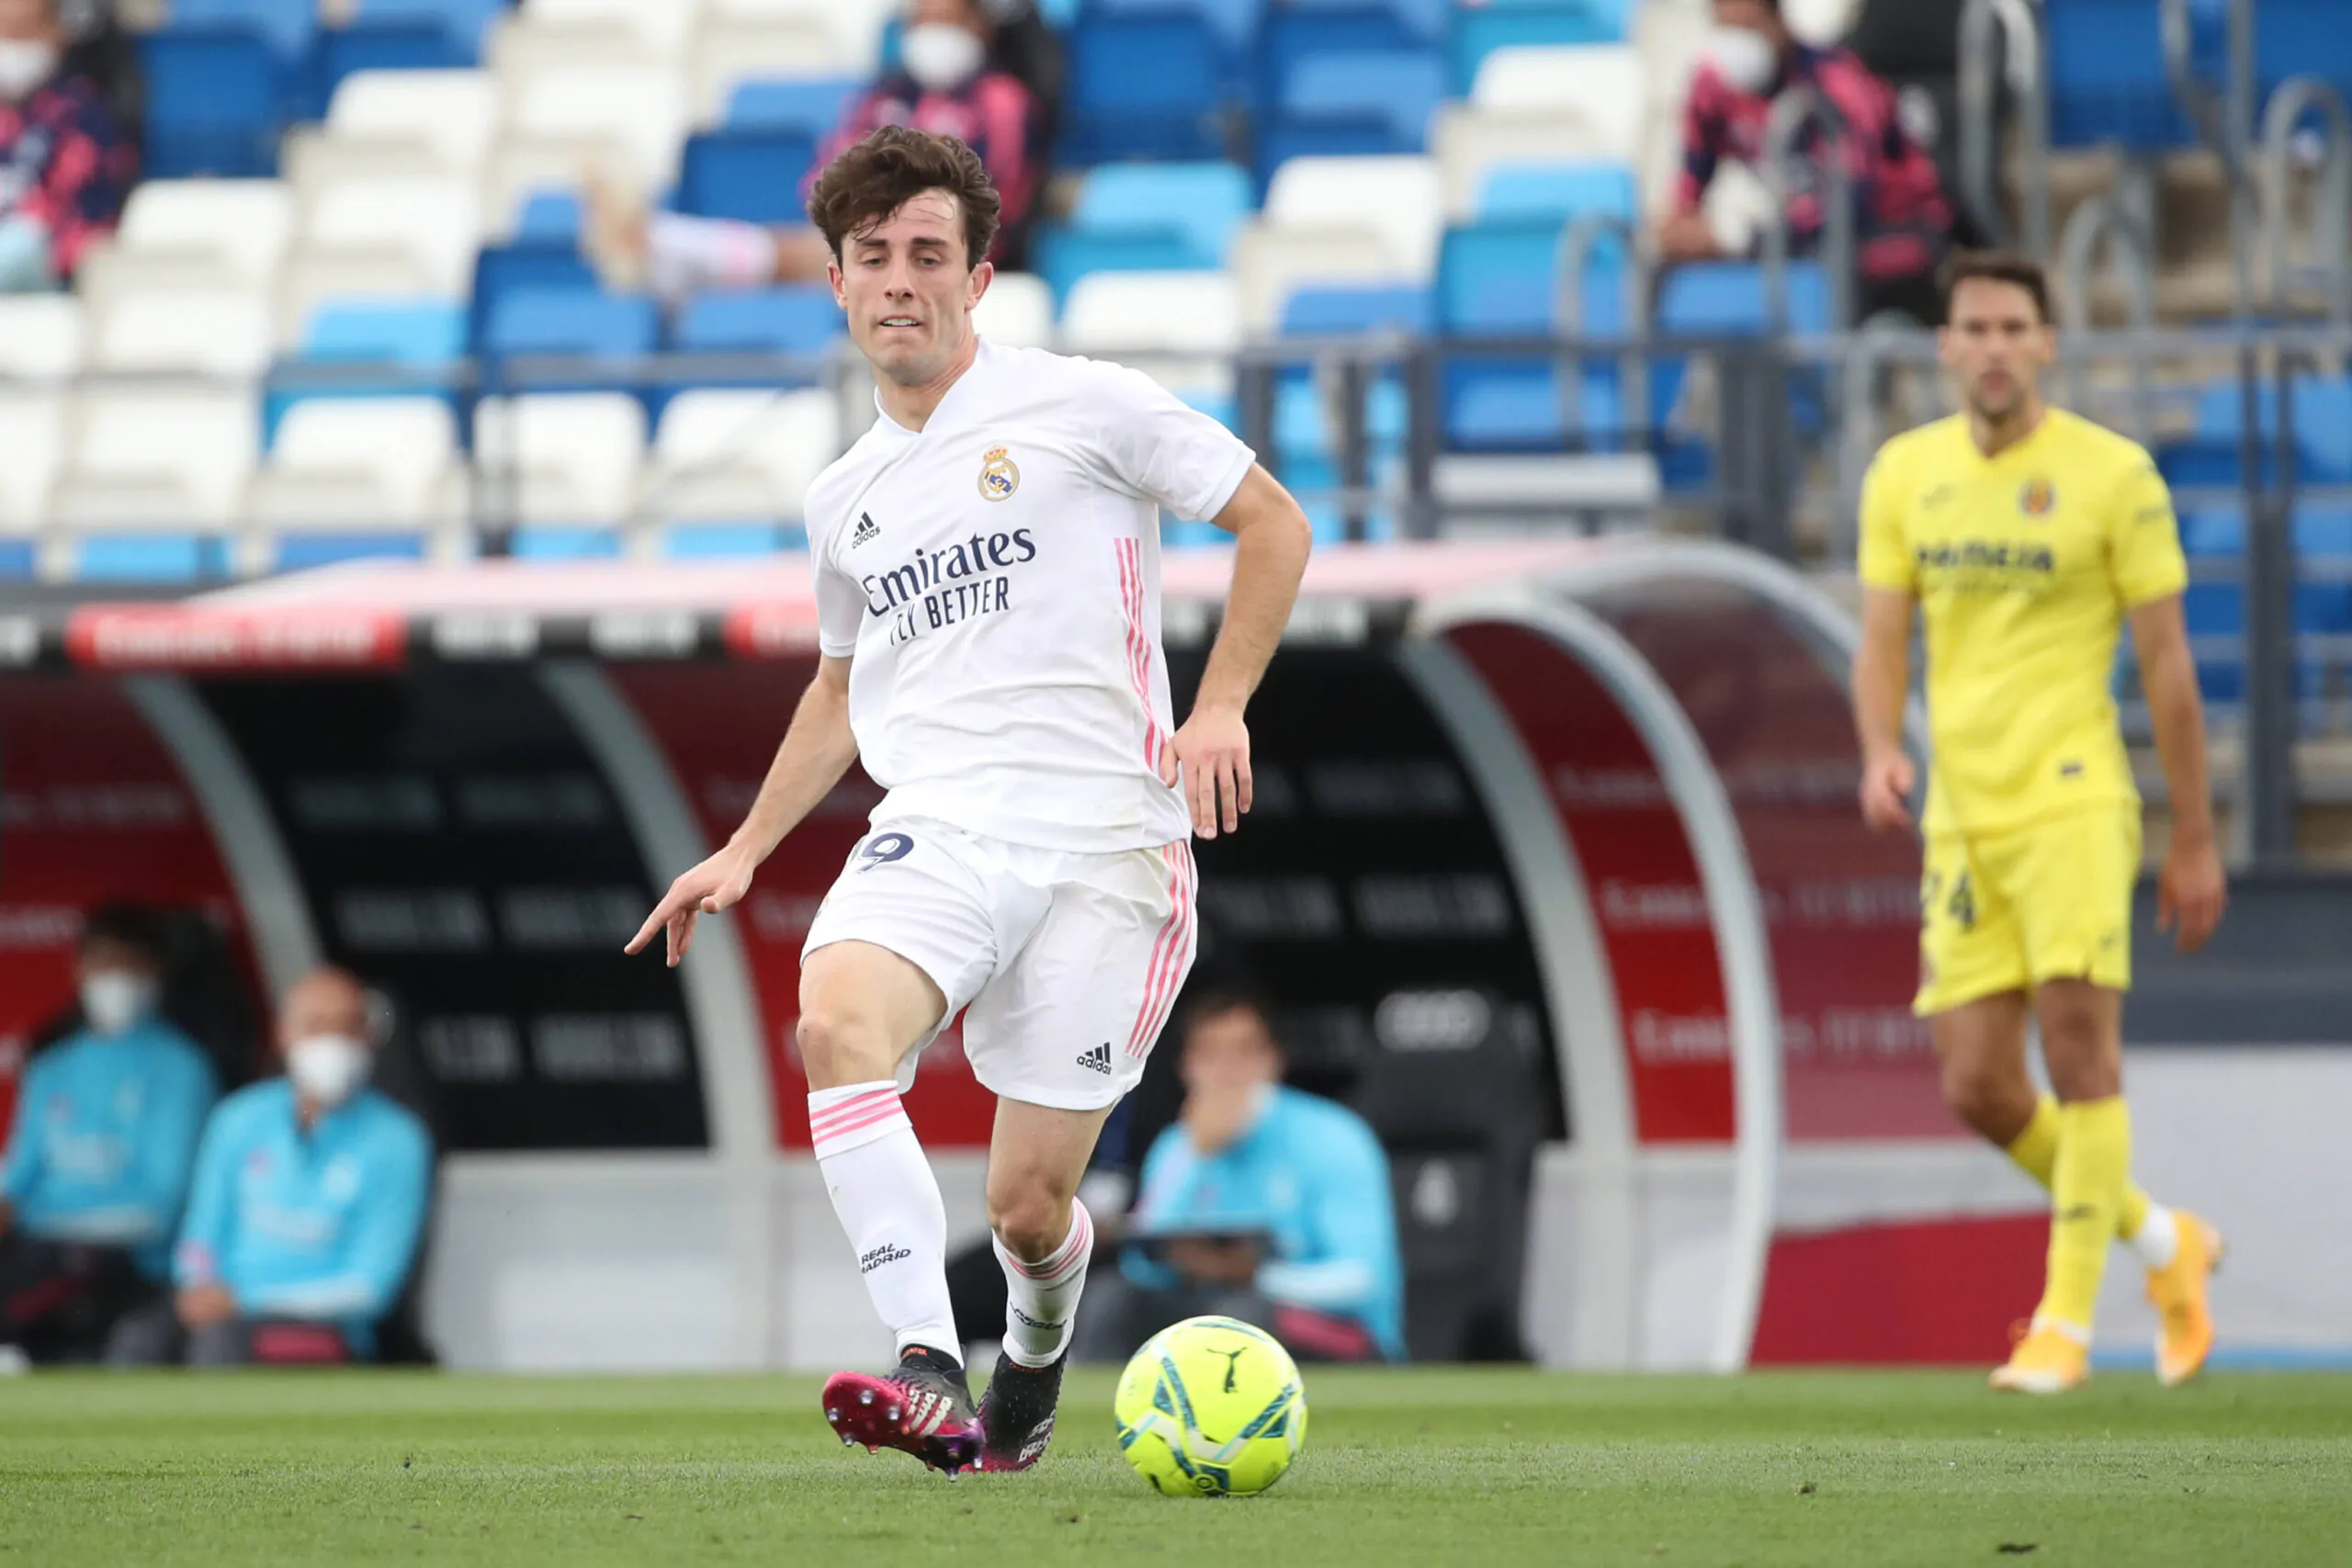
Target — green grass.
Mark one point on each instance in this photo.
(1485, 1467)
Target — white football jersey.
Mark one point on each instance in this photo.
(995, 579)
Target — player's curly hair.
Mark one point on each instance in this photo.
(878, 176)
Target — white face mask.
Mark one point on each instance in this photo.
(940, 55)
(114, 1000)
(1743, 57)
(327, 1069)
(25, 64)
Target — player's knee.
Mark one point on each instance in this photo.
(2079, 1041)
(1030, 1219)
(842, 1045)
(1998, 1104)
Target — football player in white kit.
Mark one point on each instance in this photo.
(988, 590)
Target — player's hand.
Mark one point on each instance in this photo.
(200, 1306)
(719, 883)
(2191, 893)
(1886, 791)
(1687, 237)
(1213, 750)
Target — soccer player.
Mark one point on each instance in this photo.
(987, 565)
(2027, 537)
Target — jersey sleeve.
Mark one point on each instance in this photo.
(1885, 558)
(204, 1231)
(2143, 538)
(841, 603)
(1150, 443)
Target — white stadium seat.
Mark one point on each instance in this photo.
(1179, 328)
(357, 464)
(856, 25)
(41, 337)
(157, 458)
(1272, 261)
(1017, 310)
(315, 274)
(437, 222)
(638, 111)
(32, 433)
(728, 52)
(1469, 140)
(242, 226)
(210, 332)
(1398, 195)
(735, 454)
(574, 455)
(659, 24)
(454, 113)
(1603, 81)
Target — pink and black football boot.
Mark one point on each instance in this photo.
(924, 1408)
(1017, 1414)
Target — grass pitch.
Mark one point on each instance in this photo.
(1435, 1466)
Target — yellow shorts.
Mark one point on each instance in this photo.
(2005, 911)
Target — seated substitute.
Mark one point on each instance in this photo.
(97, 1168)
(65, 164)
(1261, 1202)
(308, 1206)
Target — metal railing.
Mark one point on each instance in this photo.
(2282, 119)
(2019, 26)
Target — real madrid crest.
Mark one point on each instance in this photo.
(2038, 496)
(998, 475)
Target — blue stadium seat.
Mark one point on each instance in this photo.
(1383, 97)
(2323, 414)
(1477, 31)
(2106, 77)
(1335, 312)
(731, 541)
(1295, 32)
(1145, 83)
(811, 106)
(150, 557)
(1556, 192)
(299, 551)
(464, 22)
(499, 268)
(563, 541)
(1235, 22)
(394, 42)
(1728, 299)
(548, 217)
(1503, 276)
(751, 173)
(765, 320)
(15, 559)
(287, 25)
(216, 99)
(1203, 202)
(588, 322)
(396, 331)
(1064, 255)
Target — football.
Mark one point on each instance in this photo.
(1211, 1408)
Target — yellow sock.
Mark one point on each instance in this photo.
(2035, 1150)
(2087, 1187)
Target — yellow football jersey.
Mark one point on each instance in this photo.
(2024, 565)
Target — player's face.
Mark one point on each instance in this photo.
(1996, 346)
(908, 290)
(1229, 1052)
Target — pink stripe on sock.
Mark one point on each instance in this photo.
(879, 1114)
(833, 1115)
(1070, 1257)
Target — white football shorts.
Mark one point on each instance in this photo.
(1064, 966)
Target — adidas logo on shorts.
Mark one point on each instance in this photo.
(867, 529)
(1097, 1060)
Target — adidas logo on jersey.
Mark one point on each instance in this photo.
(866, 530)
(1097, 1060)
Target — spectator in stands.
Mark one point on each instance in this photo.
(308, 1205)
(1261, 1203)
(947, 82)
(65, 165)
(1902, 222)
(105, 1134)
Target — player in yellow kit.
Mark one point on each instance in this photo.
(2027, 538)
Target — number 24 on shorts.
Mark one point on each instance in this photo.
(1961, 905)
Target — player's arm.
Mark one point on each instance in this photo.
(1272, 538)
(2191, 892)
(817, 749)
(1882, 683)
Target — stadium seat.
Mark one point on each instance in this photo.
(216, 97)
(40, 338)
(738, 458)
(1398, 195)
(752, 173)
(437, 222)
(286, 24)
(240, 227)
(548, 217)
(1729, 299)
(573, 322)
(811, 106)
(1478, 32)
(658, 28)
(1017, 311)
(500, 268)
(1146, 218)
(727, 54)
(1180, 328)
(2323, 416)
(464, 22)
(800, 321)
(33, 423)
(636, 113)
(2107, 81)
(1602, 80)
(313, 277)
(377, 43)
(1469, 141)
(151, 482)
(1146, 84)
(1271, 263)
(1352, 103)
(1299, 30)
(396, 331)
(1349, 311)
(1503, 276)
(206, 332)
(1556, 192)
(347, 479)
(454, 113)
(571, 459)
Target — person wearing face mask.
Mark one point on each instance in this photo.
(1903, 220)
(1261, 1202)
(308, 1205)
(97, 1167)
(65, 165)
(956, 76)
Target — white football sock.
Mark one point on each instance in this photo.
(1041, 1299)
(686, 254)
(888, 1202)
(2157, 1239)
